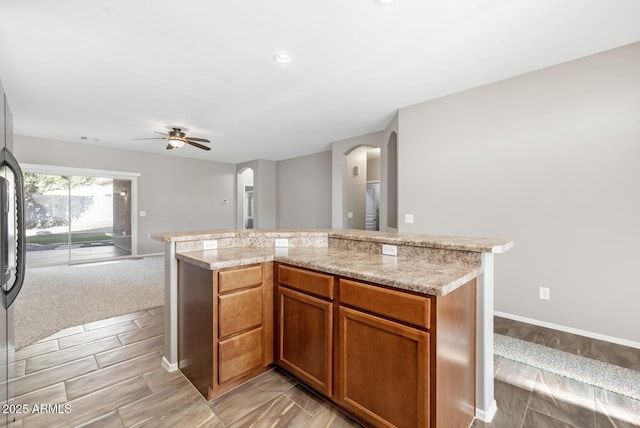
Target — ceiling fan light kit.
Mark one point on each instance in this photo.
(177, 139)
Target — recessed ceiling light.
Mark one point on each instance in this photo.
(383, 2)
(282, 58)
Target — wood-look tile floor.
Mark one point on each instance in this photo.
(108, 374)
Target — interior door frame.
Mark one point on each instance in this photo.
(88, 172)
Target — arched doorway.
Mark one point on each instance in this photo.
(246, 199)
(361, 191)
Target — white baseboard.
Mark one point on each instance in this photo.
(592, 335)
(488, 414)
(170, 367)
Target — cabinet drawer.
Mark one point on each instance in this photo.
(237, 278)
(307, 281)
(401, 306)
(239, 311)
(240, 354)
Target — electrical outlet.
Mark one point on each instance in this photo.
(408, 218)
(389, 250)
(211, 244)
(545, 294)
(281, 243)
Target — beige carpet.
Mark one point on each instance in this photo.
(57, 297)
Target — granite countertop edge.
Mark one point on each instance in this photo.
(472, 244)
(437, 279)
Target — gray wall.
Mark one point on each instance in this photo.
(304, 192)
(178, 194)
(550, 159)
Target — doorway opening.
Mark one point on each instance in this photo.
(362, 188)
(245, 182)
(73, 217)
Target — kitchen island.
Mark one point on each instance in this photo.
(436, 267)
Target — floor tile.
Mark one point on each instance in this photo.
(64, 332)
(512, 406)
(90, 336)
(141, 334)
(193, 414)
(278, 412)
(160, 379)
(97, 404)
(306, 399)
(614, 410)
(38, 348)
(155, 405)
(66, 355)
(54, 394)
(564, 399)
(535, 419)
(330, 417)
(47, 377)
(110, 420)
(516, 373)
(116, 320)
(150, 320)
(129, 351)
(251, 395)
(90, 382)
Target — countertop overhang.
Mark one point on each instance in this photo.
(408, 273)
(461, 243)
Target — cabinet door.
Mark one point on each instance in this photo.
(383, 370)
(305, 338)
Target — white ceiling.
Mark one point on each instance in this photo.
(121, 69)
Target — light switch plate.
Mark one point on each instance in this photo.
(408, 218)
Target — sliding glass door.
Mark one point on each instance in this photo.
(77, 218)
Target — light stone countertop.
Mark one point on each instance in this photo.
(433, 278)
(472, 244)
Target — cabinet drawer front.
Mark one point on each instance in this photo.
(307, 281)
(235, 279)
(239, 311)
(401, 306)
(239, 354)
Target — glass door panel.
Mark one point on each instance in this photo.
(46, 219)
(75, 219)
(93, 211)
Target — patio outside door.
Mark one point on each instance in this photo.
(75, 219)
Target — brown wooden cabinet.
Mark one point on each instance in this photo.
(390, 357)
(305, 326)
(383, 370)
(225, 322)
(384, 364)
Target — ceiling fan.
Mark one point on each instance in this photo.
(177, 138)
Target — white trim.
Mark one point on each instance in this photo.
(488, 414)
(485, 395)
(170, 367)
(67, 170)
(592, 335)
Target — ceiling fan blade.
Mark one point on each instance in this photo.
(200, 146)
(169, 147)
(161, 133)
(154, 138)
(202, 140)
